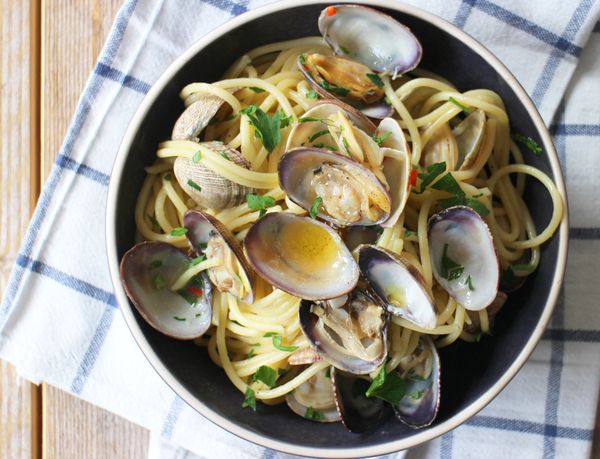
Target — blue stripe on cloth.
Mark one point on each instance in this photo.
(576, 336)
(91, 353)
(557, 350)
(67, 280)
(529, 427)
(229, 6)
(172, 417)
(114, 40)
(123, 79)
(268, 454)
(463, 13)
(81, 169)
(510, 18)
(583, 130)
(584, 233)
(446, 446)
(553, 61)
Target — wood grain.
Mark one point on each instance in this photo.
(19, 187)
(73, 33)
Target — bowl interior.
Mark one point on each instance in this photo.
(468, 370)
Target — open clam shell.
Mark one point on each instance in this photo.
(359, 413)
(399, 285)
(463, 257)
(196, 117)
(349, 332)
(210, 237)
(314, 399)
(371, 38)
(350, 193)
(207, 188)
(470, 136)
(147, 271)
(301, 256)
(419, 407)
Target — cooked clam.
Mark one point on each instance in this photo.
(304, 356)
(470, 136)
(147, 272)
(350, 193)
(399, 285)
(371, 38)
(419, 407)
(359, 413)
(208, 189)
(314, 399)
(301, 256)
(208, 236)
(441, 148)
(196, 117)
(349, 332)
(463, 258)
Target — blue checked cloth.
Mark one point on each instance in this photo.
(59, 321)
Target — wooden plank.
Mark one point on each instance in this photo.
(73, 33)
(19, 188)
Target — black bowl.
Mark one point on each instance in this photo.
(473, 374)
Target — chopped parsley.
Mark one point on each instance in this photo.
(155, 264)
(180, 319)
(277, 342)
(324, 147)
(387, 386)
(416, 395)
(449, 184)
(345, 50)
(196, 261)
(266, 375)
(528, 142)
(224, 154)
(249, 399)
(269, 334)
(179, 231)
(266, 128)
(312, 94)
(256, 90)
(159, 281)
(153, 220)
(450, 269)
(387, 100)
(167, 177)
(258, 202)
(250, 354)
(314, 414)
(189, 295)
(464, 108)
(469, 283)
(316, 135)
(302, 59)
(346, 146)
(308, 119)
(375, 79)
(432, 172)
(381, 138)
(338, 90)
(280, 372)
(197, 157)
(285, 119)
(315, 207)
(194, 185)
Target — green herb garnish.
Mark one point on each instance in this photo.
(528, 142)
(266, 375)
(155, 264)
(346, 146)
(194, 185)
(469, 283)
(250, 354)
(249, 399)
(464, 108)
(387, 386)
(339, 90)
(308, 119)
(432, 172)
(159, 281)
(258, 202)
(277, 345)
(269, 334)
(315, 207)
(153, 220)
(416, 395)
(266, 128)
(180, 319)
(302, 59)
(449, 184)
(314, 414)
(256, 90)
(179, 231)
(196, 261)
(316, 135)
(375, 79)
(344, 50)
(324, 147)
(197, 157)
(450, 269)
(312, 94)
(381, 138)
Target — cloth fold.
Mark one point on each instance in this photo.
(59, 321)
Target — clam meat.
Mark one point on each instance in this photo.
(314, 399)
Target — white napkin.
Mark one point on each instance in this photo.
(59, 322)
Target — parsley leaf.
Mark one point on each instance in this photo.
(266, 375)
(256, 90)
(285, 119)
(277, 345)
(375, 79)
(155, 264)
(381, 138)
(308, 119)
(196, 261)
(249, 399)
(316, 207)
(179, 231)
(197, 157)
(269, 334)
(339, 90)
(450, 269)
(387, 386)
(312, 94)
(346, 146)
(531, 144)
(449, 184)
(194, 185)
(180, 319)
(258, 202)
(345, 50)
(324, 147)
(469, 283)
(159, 281)
(316, 135)
(432, 171)
(167, 177)
(153, 220)
(314, 414)
(250, 354)
(266, 128)
(302, 59)
(464, 108)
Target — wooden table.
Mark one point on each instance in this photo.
(47, 50)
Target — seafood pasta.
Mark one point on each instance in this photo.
(328, 215)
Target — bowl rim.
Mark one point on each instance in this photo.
(418, 437)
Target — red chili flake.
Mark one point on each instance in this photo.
(331, 11)
(194, 291)
(412, 179)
